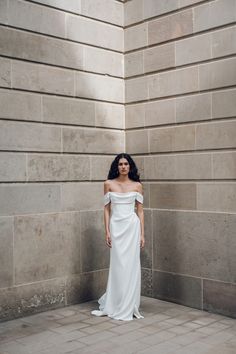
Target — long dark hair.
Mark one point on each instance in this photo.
(133, 171)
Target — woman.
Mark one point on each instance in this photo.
(125, 237)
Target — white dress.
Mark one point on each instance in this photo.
(122, 297)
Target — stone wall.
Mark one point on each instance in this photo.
(61, 123)
(65, 115)
(180, 75)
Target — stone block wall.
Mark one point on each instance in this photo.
(61, 123)
(180, 75)
(83, 80)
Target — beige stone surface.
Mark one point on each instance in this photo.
(29, 198)
(170, 27)
(216, 196)
(19, 105)
(42, 78)
(43, 167)
(89, 140)
(194, 107)
(85, 30)
(172, 138)
(40, 18)
(214, 14)
(12, 167)
(218, 74)
(6, 251)
(5, 72)
(29, 136)
(173, 82)
(46, 246)
(216, 135)
(136, 141)
(173, 196)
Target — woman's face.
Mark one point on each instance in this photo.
(123, 166)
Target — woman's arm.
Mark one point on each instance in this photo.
(107, 210)
(140, 214)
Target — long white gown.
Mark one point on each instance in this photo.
(121, 300)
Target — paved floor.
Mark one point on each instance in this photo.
(167, 328)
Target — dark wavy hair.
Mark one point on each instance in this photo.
(133, 171)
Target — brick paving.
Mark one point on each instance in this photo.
(167, 328)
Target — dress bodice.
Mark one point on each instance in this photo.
(122, 204)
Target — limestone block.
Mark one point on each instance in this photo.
(136, 89)
(12, 167)
(177, 288)
(139, 161)
(93, 32)
(223, 104)
(135, 115)
(105, 10)
(153, 8)
(195, 243)
(218, 74)
(135, 37)
(170, 27)
(94, 251)
(5, 72)
(103, 61)
(4, 11)
(137, 141)
(146, 282)
(19, 105)
(29, 136)
(29, 199)
(86, 286)
(160, 112)
(219, 297)
(99, 87)
(224, 165)
(193, 49)
(193, 108)
(146, 252)
(173, 82)
(224, 42)
(92, 140)
(68, 110)
(193, 166)
(216, 197)
(214, 14)
(48, 50)
(43, 167)
(216, 135)
(81, 196)
(31, 298)
(172, 138)
(183, 3)
(100, 166)
(37, 77)
(173, 196)
(40, 19)
(134, 64)
(46, 246)
(133, 12)
(109, 115)
(160, 57)
(6, 251)
(179, 166)
(159, 167)
(72, 5)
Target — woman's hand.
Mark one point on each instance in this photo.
(142, 241)
(108, 239)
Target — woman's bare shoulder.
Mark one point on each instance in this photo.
(107, 185)
(139, 187)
